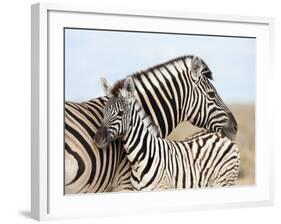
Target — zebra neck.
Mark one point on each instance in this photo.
(140, 127)
(163, 92)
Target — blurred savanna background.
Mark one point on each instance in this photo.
(92, 54)
(245, 117)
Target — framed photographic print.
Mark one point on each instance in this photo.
(165, 111)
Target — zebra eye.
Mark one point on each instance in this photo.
(212, 94)
(120, 113)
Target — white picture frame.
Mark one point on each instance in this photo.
(47, 198)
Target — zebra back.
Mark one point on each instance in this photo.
(205, 160)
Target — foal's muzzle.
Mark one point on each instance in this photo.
(101, 137)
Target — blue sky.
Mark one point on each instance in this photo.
(91, 54)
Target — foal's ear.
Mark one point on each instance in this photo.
(106, 87)
(129, 86)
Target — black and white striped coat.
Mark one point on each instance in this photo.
(172, 92)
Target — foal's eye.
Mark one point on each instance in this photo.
(212, 94)
(120, 113)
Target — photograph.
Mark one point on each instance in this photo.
(147, 111)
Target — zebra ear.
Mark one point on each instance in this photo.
(129, 86)
(196, 67)
(106, 87)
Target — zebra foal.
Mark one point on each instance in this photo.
(204, 160)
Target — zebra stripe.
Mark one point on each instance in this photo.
(205, 160)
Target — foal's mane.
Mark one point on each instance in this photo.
(147, 120)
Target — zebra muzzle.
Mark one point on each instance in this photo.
(101, 137)
(231, 129)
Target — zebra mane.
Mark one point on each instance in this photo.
(206, 71)
(147, 120)
(115, 90)
(120, 84)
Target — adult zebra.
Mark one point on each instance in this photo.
(204, 160)
(172, 92)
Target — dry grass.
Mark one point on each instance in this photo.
(245, 116)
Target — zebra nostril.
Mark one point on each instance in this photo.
(232, 123)
(101, 136)
(230, 130)
(235, 128)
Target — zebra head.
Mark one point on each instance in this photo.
(206, 108)
(117, 113)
